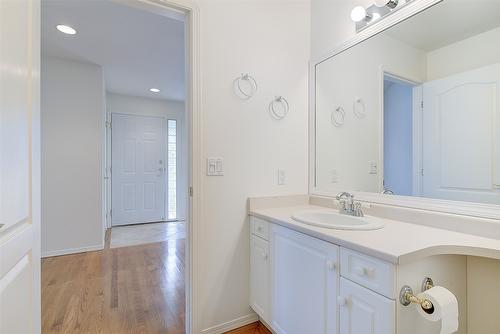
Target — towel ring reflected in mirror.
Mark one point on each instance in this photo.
(338, 117)
(359, 107)
(245, 80)
(279, 107)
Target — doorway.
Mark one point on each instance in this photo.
(147, 169)
(105, 91)
(400, 129)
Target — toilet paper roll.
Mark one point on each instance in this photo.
(445, 308)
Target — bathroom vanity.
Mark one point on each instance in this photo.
(310, 279)
(406, 117)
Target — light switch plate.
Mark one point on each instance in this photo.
(373, 167)
(281, 177)
(215, 167)
(334, 175)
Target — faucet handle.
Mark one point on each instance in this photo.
(343, 203)
(357, 209)
(343, 195)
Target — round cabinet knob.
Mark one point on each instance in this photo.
(360, 271)
(341, 301)
(332, 265)
(259, 228)
(264, 255)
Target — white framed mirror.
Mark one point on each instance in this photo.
(420, 92)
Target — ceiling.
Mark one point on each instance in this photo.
(137, 49)
(448, 22)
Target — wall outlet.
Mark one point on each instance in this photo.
(215, 167)
(373, 167)
(281, 177)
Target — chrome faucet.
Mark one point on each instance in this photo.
(348, 206)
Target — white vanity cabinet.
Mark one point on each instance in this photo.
(364, 311)
(260, 287)
(304, 283)
(300, 284)
(367, 291)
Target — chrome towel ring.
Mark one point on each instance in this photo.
(338, 117)
(242, 91)
(279, 107)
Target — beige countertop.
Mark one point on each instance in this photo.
(397, 242)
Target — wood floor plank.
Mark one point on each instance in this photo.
(137, 289)
(253, 328)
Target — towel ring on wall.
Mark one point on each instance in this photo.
(284, 106)
(359, 107)
(338, 117)
(246, 93)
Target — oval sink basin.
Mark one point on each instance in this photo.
(334, 220)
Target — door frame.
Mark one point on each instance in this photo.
(195, 150)
(416, 124)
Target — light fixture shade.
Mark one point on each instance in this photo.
(154, 90)
(389, 3)
(358, 14)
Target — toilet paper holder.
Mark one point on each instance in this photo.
(407, 297)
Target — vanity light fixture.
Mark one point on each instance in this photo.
(389, 3)
(364, 17)
(154, 90)
(66, 29)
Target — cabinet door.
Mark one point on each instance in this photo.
(259, 277)
(304, 283)
(363, 311)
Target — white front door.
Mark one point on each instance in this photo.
(19, 166)
(137, 169)
(461, 134)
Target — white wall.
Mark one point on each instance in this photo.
(269, 40)
(474, 52)
(72, 100)
(117, 103)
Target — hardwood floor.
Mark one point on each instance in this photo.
(255, 328)
(138, 289)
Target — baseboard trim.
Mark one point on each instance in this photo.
(72, 251)
(232, 324)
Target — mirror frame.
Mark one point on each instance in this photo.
(489, 211)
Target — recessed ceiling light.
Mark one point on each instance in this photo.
(66, 29)
(154, 90)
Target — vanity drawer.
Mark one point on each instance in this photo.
(259, 228)
(372, 273)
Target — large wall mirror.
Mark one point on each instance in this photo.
(415, 109)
